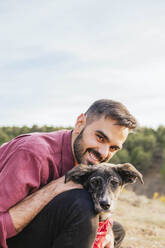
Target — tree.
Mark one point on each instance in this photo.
(3, 137)
(121, 157)
(141, 159)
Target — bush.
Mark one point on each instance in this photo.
(141, 159)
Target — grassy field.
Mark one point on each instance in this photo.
(143, 219)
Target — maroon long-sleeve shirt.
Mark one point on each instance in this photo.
(27, 163)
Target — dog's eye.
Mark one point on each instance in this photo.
(95, 182)
(114, 183)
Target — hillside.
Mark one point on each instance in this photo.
(153, 183)
(143, 219)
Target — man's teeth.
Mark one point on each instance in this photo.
(93, 156)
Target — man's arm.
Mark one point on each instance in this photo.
(25, 211)
(21, 197)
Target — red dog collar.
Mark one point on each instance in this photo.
(102, 231)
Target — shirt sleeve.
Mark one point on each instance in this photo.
(6, 228)
(19, 177)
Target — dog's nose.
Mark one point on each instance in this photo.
(104, 204)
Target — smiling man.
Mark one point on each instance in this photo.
(37, 208)
(97, 141)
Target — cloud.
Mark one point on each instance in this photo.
(57, 57)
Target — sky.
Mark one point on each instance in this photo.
(58, 56)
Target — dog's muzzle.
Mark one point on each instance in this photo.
(104, 205)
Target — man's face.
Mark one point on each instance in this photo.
(99, 141)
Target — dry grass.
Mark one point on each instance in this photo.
(143, 219)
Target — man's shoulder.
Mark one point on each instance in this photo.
(42, 142)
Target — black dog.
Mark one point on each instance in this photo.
(104, 182)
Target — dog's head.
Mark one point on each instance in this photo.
(104, 182)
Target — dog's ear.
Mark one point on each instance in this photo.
(128, 173)
(79, 173)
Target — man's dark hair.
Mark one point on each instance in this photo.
(111, 110)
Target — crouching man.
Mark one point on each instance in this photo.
(37, 209)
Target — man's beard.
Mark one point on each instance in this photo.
(79, 151)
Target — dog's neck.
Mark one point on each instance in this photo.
(104, 215)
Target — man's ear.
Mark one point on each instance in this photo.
(128, 173)
(80, 123)
(79, 173)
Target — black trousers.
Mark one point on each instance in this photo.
(68, 221)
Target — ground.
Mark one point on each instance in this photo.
(143, 219)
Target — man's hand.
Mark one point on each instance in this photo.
(61, 186)
(26, 210)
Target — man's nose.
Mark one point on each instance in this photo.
(104, 151)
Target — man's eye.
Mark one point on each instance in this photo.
(113, 149)
(100, 138)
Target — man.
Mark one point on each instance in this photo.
(37, 209)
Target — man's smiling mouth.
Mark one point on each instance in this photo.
(93, 157)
